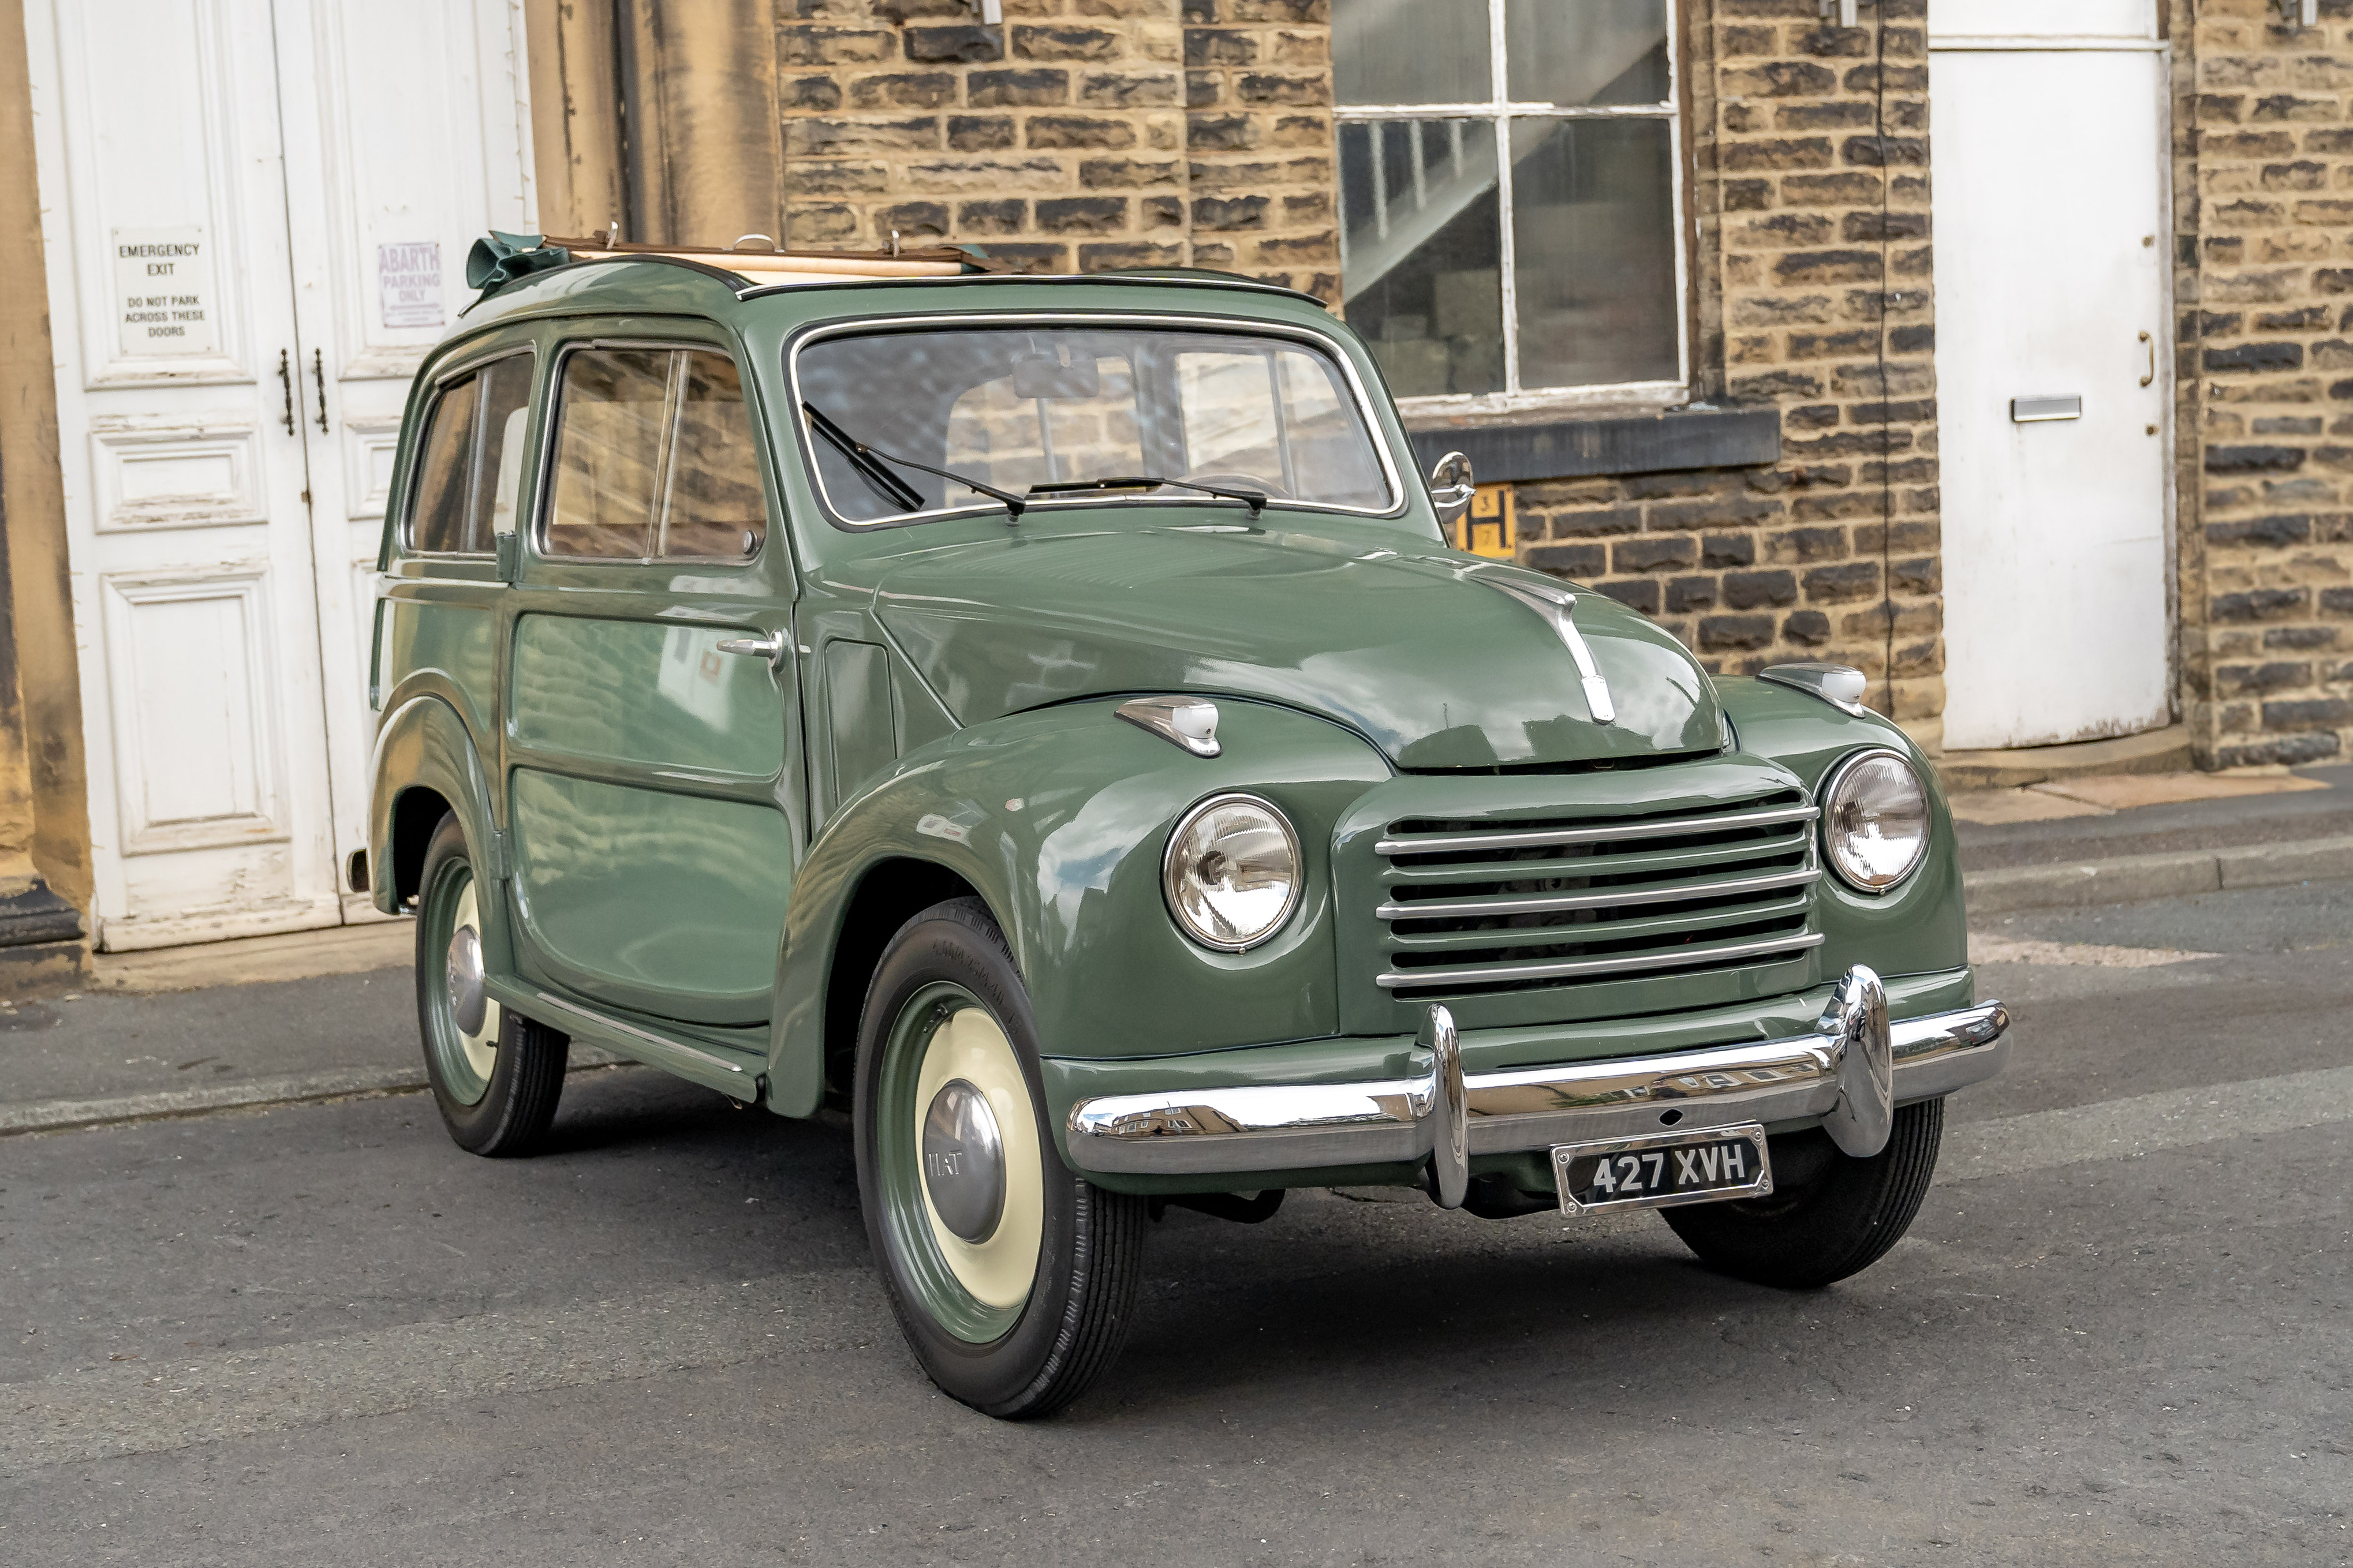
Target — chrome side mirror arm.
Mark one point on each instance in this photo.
(1450, 488)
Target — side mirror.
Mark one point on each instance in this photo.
(1450, 488)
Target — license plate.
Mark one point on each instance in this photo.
(1697, 1167)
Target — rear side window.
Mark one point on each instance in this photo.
(470, 464)
(654, 459)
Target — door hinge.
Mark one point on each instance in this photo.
(501, 855)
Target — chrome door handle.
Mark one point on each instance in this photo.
(771, 648)
(2149, 343)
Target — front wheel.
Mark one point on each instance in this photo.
(1830, 1215)
(1012, 1278)
(496, 1075)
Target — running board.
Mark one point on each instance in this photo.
(710, 1066)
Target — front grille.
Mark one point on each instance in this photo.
(1473, 908)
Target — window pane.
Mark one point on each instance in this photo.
(1593, 224)
(1084, 427)
(1229, 414)
(1573, 52)
(437, 520)
(1409, 51)
(716, 506)
(1422, 256)
(608, 451)
(506, 403)
(1017, 407)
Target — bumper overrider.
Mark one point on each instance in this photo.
(1848, 1075)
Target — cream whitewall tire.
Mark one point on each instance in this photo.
(1012, 1275)
(479, 1045)
(970, 1047)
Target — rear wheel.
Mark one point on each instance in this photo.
(1829, 1215)
(1012, 1277)
(496, 1075)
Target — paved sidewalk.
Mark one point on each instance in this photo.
(2115, 856)
(93, 1059)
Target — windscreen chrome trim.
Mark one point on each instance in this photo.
(804, 438)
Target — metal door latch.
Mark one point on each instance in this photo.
(771, 648)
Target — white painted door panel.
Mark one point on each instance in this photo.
(308, 174)
(412, 124)
(189, 544)
(2051, 249)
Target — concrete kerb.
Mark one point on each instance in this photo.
(2126, 877)
(285, 1089)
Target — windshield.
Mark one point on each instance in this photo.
(1017, 407)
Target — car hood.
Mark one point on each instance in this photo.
(1417, 647)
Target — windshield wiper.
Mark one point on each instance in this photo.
(1250, 498)
(869, 461)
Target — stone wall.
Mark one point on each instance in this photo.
(1813, 293)
(2263, 222)
(1078, 136)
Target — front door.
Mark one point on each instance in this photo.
(255, 216)
(650, 688)
(2053, 388)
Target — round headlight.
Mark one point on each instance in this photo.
(1874, 820)
(1232, 872)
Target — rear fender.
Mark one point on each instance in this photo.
(423, 744)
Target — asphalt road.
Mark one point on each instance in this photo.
(2118, 1334)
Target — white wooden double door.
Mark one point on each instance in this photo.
(256, 214)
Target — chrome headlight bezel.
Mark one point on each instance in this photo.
(1828, 797)
(1171, 872)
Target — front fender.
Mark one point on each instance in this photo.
(1059, 818)
(1920, 926)
(422, 743)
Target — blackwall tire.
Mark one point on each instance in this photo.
(1021, 1319)
(497, 1082)
(1837, 1216)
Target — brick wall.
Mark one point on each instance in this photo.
(2263, 219)
(1080, 135)
(1153, 133)
(1812, 285)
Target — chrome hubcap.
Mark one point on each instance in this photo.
(469, 1002)
(963, 1161)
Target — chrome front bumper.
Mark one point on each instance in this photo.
(1850, 1074)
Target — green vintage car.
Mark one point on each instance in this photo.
(1043, 718)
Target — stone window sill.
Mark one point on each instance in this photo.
(1606, 439)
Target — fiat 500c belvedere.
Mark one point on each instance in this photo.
(1044, 720)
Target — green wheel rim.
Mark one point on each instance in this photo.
(909, 1226)
(463, 1062)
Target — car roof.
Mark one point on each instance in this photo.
(665, 281)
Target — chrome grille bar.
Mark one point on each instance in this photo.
(1659, 928)
(1648, 827)
(1550, 903)
(1586, 968)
